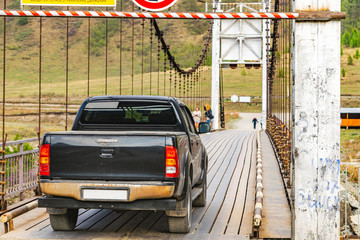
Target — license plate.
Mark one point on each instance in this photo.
(105, 194)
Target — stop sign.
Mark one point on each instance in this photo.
(154, 5)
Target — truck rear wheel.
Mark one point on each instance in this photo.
(182, 224)
(64, 222)
(200, 201)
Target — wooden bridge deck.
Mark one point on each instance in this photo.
(227, 215)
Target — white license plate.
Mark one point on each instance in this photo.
(102, 194)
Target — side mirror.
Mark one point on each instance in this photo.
(204, 127)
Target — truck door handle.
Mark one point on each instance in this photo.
(107, 153)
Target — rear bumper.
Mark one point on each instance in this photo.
(153, 204)
(136, 190)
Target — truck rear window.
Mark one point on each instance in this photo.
(126, 112)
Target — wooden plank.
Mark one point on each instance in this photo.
(134, 222)
(223, 178)
(276, 224)
(221, 150)
(37, 220)
(246, 228)
(121, 221)
(216, 139)
(225, 153)
(160, 226)
(86, 215)
(100, 226)
(94, 219)
(227, 208)
(145, 226)
(198, 213)
(237, 214)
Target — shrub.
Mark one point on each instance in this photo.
(243, 72)
(98, 33)
(351, 38)
(357, 54)
(16, 148)
(13, 47)
(341, 50)
(22, 21)
(350, 60)
(343, 72)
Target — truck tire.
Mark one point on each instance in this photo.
(64, 222)
(200, 201)
(182, 224)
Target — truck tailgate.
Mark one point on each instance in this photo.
(104, 157)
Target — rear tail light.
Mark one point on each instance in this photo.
(171, 162)
(45, 160)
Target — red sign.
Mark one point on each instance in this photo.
(154, 5)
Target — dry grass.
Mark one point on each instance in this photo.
(350, 84)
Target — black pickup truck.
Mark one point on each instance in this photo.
(125, 153)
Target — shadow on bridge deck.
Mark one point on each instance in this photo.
(227, 215)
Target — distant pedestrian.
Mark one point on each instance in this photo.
(208, 114)
(254, 122)
(261, 122)
(196, 115)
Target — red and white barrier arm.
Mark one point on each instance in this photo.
(159, 15)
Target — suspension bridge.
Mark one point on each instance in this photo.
(278, 183)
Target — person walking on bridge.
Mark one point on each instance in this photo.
(254, 122)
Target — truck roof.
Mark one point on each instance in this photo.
(134, 97)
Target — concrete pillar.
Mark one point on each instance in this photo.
(316, 124)
(215, 76)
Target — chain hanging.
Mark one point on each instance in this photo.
(142, 54)
(151, 51)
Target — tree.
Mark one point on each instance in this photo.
(343, 72)
(357, 54)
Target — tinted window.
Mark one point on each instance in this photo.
(127, 112)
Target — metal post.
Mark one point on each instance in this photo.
(215, 78)
(3, 161)
(316, 124)
(21, 172)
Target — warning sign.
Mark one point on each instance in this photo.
(154, 5)
(99, 3)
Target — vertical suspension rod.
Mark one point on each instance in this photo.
(106, 54)
(67, 72)
(88, 70)
(3, 203)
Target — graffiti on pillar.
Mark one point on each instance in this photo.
(322, 193)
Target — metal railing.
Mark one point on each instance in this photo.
(21, 170)
(350, 199)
